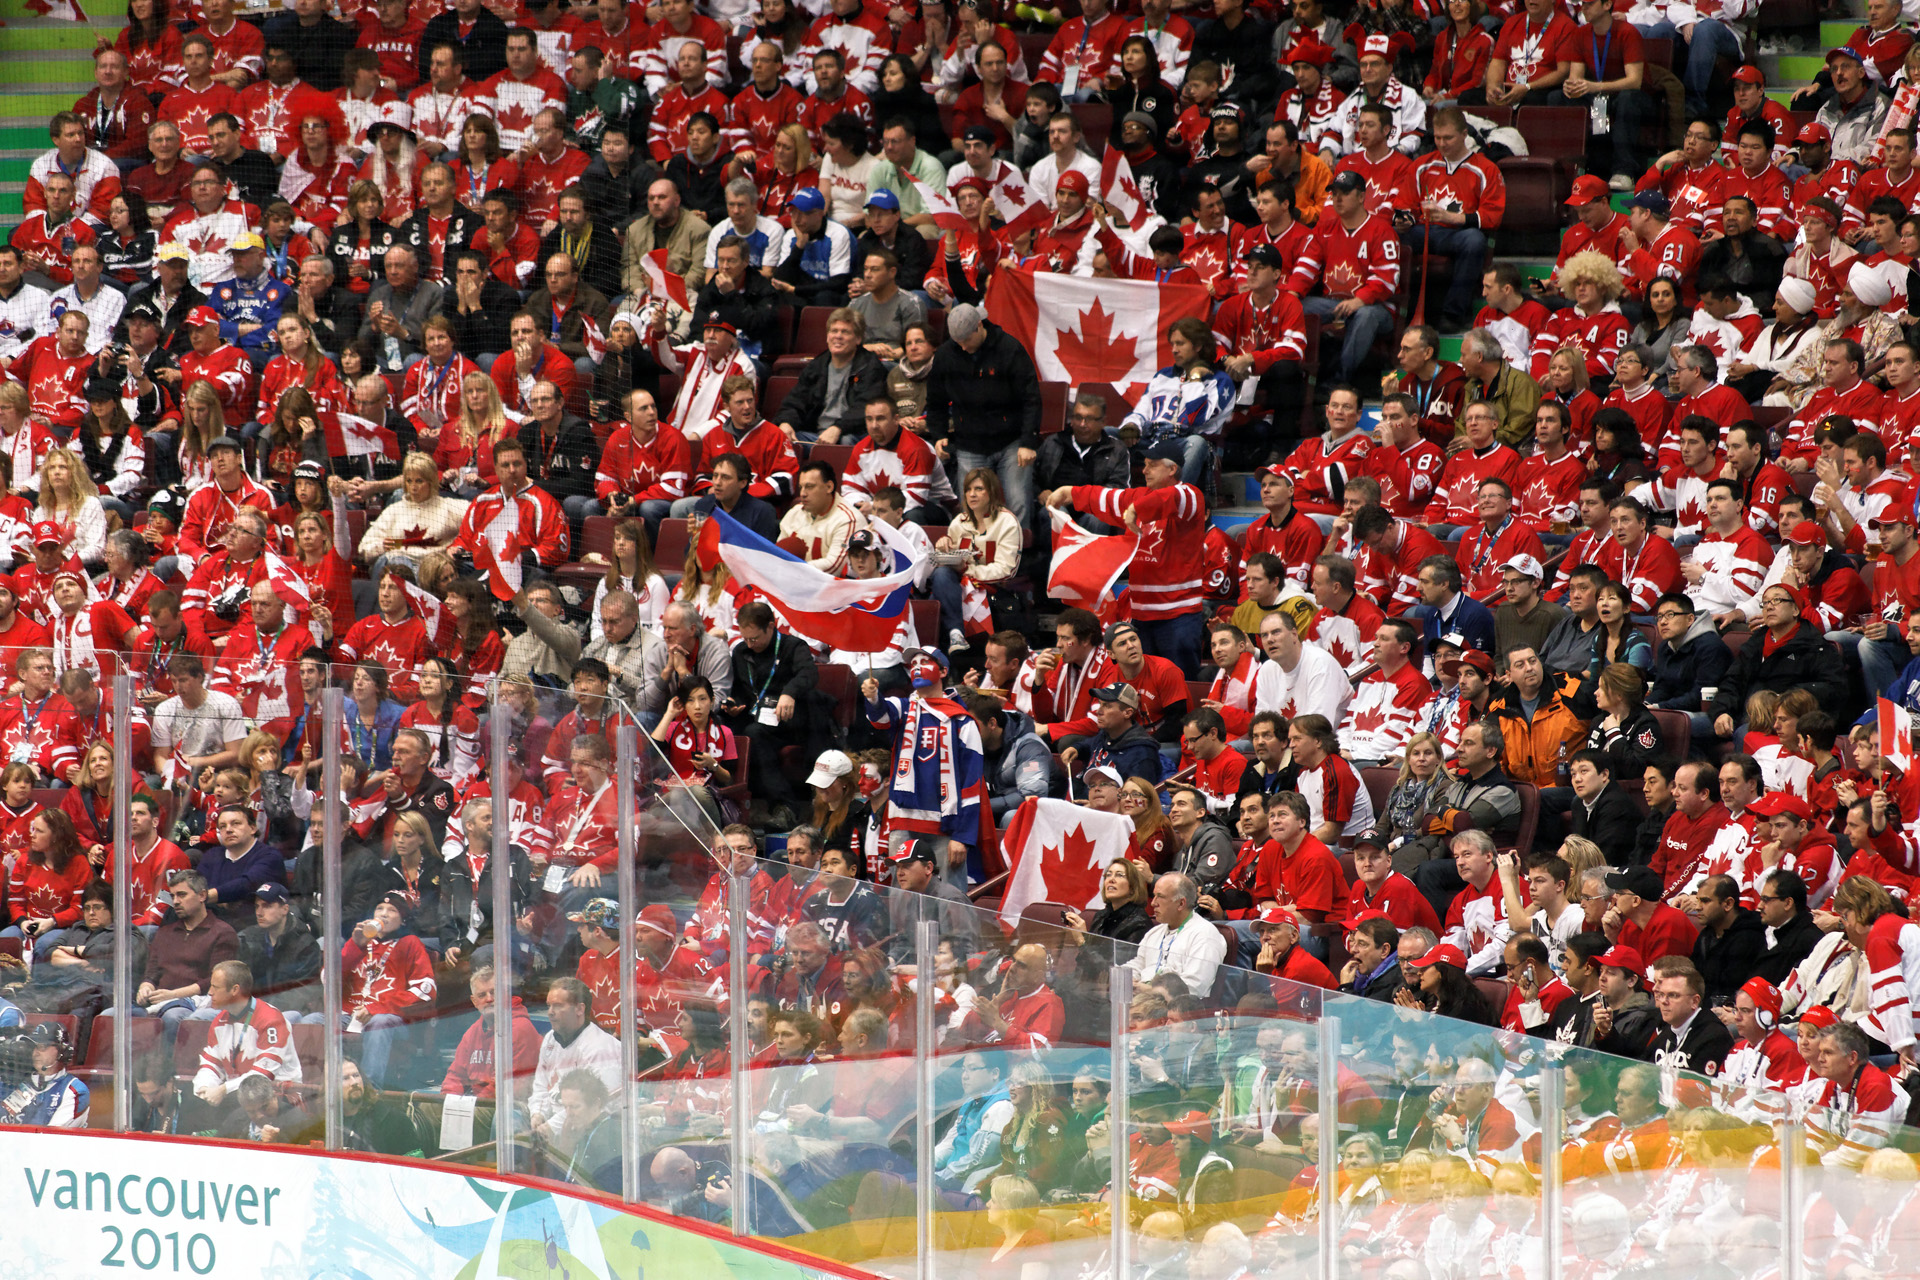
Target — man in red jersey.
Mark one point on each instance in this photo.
(260, 665)
(393, 636)
(1170, 517)
(1825, 176)
(1596, 227)
(1697, 818)
(1388, 171)
(1755, 176)
(1528, 60)
(213, 507)
(1760, 484)
(1321, 466)
(1405, 544)
(1380, 717)
(1696, 378)
(1455, 502)
(1656, 247)
(1649, 566)
(762, 108)
(1498, 537)
(1404, 462)
(1842, 392)
(1548, 496)
(394, 34)
(1378, 888)
(522, 90)
(1898, 179)
(220, 363)
(1896, 595)
(1750, 103)
(1682, 490)
(1689, 178)
(1462, 197)
(1726, 567)
(1637, 918)
(1262, 331)
(1354, 263)
(54, 370)
(542, 539)
(1285, 531)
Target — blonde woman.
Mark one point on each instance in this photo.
(1125, 890)
(1152, 839)
(202, 421)
(1567, 382)
(68, 498)
(793, 168)
(464, 456)
(419, 521)
(990, 534)
(1593, 324)
(707, 591)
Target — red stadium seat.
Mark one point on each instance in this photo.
(1096, 123)
(671, 549)
(836, 683)
(835, 455)
(926, 623)
(1054, 399)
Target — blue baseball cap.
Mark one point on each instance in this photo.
(884, 199)
(808, 200)
(1653, 201)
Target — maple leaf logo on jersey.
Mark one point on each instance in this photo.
(1153, 540)
(1092, 353)
(206, 241)
(1343, 279)
(1369, 719)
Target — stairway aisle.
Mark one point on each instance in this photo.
(45, 65)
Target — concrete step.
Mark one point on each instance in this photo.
(43, 102)
(18, 36)
(1836, 32)
(1793, 69)
(44, 72)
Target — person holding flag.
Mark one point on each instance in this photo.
(938, 784)
(1170, 518)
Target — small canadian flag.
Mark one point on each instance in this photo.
(1057, 851)
(1896, 735)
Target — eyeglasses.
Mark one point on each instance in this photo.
(1772, 897)
(1668, 615)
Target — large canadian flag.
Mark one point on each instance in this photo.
(1057, 851)
(1081, 329)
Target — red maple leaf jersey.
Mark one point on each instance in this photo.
(767, 450)
(543, 526)
(265, 677)
(1549, 491)
(667, 130)
(1775, 116)
(1711, 402)
(1862, 402)
(1390, 182)
(542, 180)
(398, 51)
(1598, 337)
(1692, 192)
(1580, 237)
(399, 647)
(514, 102)
(1649, 572)
(1482, 552)
(79, 638)
(1471, 185)
(527, 824)
(1649, 410)
(1296, 541)
(1761, 493)
(1873, 184)
(267, 119)
(212, 508)
(1164, 579)
(1381, 716)
(54, 383)
(1403, 902)
(191, 108)
(1673, 255)
(1407, 476)
(387, 975)
(53, 245)
(282, 375)
(661, 52)
(586, 828)
(1348, 633)
(1900, 425)
(1770, 195)
(1291, 244)
(658, 469)
(816, 111)
(1362, 262)
(1271, 333)
(909, 466)
(440, 117)
(1321, 467)
(229, 371)
(1835, 182)
(753, 118)
(241, 47)
(1455, 494)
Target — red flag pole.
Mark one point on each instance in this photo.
(1426, 246)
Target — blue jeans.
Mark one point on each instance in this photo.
(1711, 41)
(945, 586)
(1467, 246)
(1181, 641)
(1016, 481)
(1364, 327)
(1880, 660)
(380, 1035)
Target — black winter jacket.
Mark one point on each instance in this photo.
(1806, 661)
(866, 382)
(984, 400)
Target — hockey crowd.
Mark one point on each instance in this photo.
(417, 351)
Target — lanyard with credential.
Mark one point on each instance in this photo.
(1598, 69)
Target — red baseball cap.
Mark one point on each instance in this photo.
(1278, 914)
(1444, 953)
(978, 184)
(1749, 74)
(202, 315)
(1807, 534)
(1623, 958)
(1818, 1016)
(1588, 188)
(47, 531)
(1775, 803)
(1813, 132)
(1361, 917)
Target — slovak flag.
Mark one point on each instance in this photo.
(1057, 851)
(595, 340)
(498, 555)
(1086, 565)
(845, 613)
(289, 585)
(1081, 329)
(1896, 735)
(662, 283)
(433, 614)
(351, 436)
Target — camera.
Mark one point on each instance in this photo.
(226, 605)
